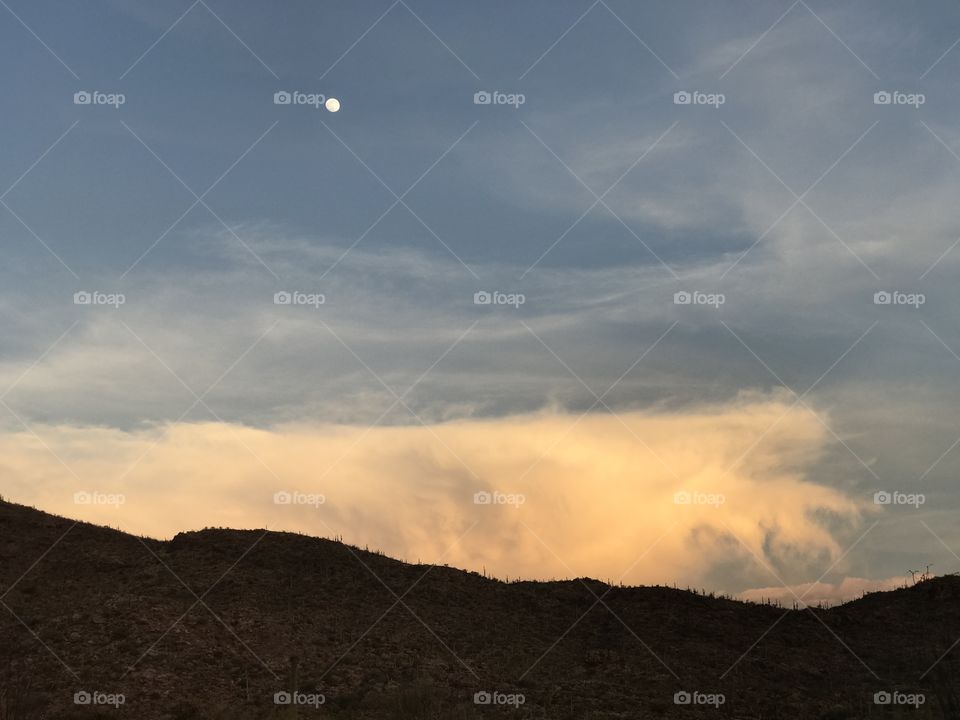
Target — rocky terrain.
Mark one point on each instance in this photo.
(95, 623)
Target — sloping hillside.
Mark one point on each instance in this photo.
(214, 624)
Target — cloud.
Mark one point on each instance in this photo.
(798, 299)
(814, 593)
(649, 497)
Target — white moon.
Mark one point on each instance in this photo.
(332, 104)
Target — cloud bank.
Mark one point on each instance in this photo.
(639, 496)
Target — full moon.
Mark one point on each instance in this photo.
(332, 104)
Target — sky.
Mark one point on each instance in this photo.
(648, 292)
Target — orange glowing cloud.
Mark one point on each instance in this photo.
(649, 497)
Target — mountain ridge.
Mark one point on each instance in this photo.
(216, 622)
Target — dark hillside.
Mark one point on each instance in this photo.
(213, 623)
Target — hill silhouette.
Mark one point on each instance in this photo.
(229, 623)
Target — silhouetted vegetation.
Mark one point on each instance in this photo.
(213, 624)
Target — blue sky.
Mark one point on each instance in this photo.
(598, 199)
